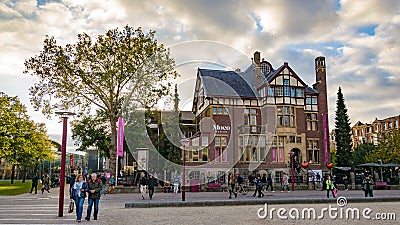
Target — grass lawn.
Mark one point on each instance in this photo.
(6, 188)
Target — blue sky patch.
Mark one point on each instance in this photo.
(370, 30)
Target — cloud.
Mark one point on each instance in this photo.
(364, 64)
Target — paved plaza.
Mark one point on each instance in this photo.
(245, 209)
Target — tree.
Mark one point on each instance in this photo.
(342, 132)
(120, 66)
(388, 149)
(361, 153)
(22, 142)
(92, 131)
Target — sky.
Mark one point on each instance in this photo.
(359, 39)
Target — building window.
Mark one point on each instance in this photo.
(285, 116)
(250, 116)
(220, 111)
(286, 82)
(270, 91)
(195, 155)
(292, 139)
(204, 141)
(292, 92)
(286, 91)
(279, 91)
(313, 151)
(201, 96)
(298, 140)
(299, 93)
(204, 154)
(220, 148)
(312, 122)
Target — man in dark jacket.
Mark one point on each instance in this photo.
(269, 183)
(95, 187)
(35, 180)
(152, 182)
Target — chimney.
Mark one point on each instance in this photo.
(257, 58)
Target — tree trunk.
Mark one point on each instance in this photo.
(12, 173)
(24, 175)
(113, 145)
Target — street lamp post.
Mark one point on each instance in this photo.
(184, 142)
(380, 162)
(292, 161)
(64, 116)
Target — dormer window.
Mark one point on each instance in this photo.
(265, 68)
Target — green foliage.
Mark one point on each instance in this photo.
(332, 153)
(361, 153)
(342, 132)
(92, 131)
(17, 188)
(120, 66)
(22, 142)
(388, 149)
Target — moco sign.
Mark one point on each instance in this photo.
(221, 128)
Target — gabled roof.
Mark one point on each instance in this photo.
(311, 90)
(225, 83)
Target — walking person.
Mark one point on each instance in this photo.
(104, 183)
(152, 182)
(71, 182)
(45, 183)
(285, 182)
(346, 183)
(112, 183)
(263, 181)
(240, 182)
(368, 187)
(95, 187)
(177, 179)
(231, 185)
(330, 186)
(269, 183)
(78, 194)
(143, 185)
(35, 180)
(259, 185)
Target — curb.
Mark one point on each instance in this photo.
(206, 203)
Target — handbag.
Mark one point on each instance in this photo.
(71, 206)
(335, 191)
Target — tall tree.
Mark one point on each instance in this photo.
(120, 65)
(22, 142)
(342, 132)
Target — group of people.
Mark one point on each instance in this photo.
(44, 181)
(81, 189)
(147, 183)
(238, 184)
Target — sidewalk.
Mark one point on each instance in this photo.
(221, 198)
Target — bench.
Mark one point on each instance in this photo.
(214, 186)
(380, 185)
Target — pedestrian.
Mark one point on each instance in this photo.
(231, 185)
(177, 179)
(240, 182)
(71, 182)
(259, 185)
(368, 187)
(112, 183)
(95, 187)
(324, 179)
(285, 182)
(143, 185)
(263, 181)
(330, 186)
(269, 183)
(346, 182)
(45, 183)
(104, 183)
(152, 182)
(35, 180)
(78, 194)
(251, 179)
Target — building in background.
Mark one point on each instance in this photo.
(258, 120)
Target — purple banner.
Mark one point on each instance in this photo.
(281, 155)
(325, 138)
(273, 154)
(120, 139)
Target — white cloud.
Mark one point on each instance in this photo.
(282, 30)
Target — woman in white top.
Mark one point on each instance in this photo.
(78, 194)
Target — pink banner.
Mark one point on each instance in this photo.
(273, 154)
(120, 139)
(281, 155)
(224, 156)
(71, 160)
(325, 138)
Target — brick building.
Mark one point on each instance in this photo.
(258, 119)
